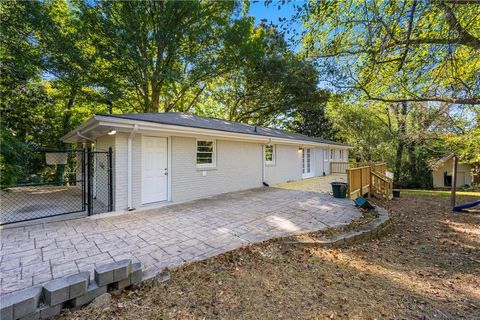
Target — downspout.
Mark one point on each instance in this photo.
(263, 164)
(264, 174)
(129, 167)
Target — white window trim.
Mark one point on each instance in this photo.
(214, 154)
(332, 154)
(274, 156)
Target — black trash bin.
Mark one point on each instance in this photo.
(339, 189)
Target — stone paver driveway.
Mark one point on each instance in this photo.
(167, 236)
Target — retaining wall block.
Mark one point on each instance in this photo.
(137, 273)
(21, 303)
(164, 276)
(31, 316)
(93, 291)
(112, 272)
(78, 284)
(133, 278)
(150, 274)
(47, 312)
(6, 311)
(56, 291)
(123, 270)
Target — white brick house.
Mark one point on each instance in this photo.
(177, 157)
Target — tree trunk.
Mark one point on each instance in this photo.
(155, 101)
(398, 160)
(413, 160)
(400, 115)
(66, 128)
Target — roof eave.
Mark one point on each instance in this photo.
(123, 124)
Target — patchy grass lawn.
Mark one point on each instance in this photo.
(427, 267)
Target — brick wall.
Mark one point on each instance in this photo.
(239, 166)
(287, 167)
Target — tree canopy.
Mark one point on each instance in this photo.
(397, 51)
(397, 80)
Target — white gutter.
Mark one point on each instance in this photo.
(185, 130)
(126, 124)
(129, 167)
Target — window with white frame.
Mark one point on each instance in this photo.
(269, 154)
(332, 154)
(206, 156)
(340, 154)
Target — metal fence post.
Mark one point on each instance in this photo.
(110, 180)
(84, 180)
(89, 179)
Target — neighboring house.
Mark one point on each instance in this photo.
(178, 157)
(442, 173)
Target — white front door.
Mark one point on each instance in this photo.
(154, 169)
(307, 170)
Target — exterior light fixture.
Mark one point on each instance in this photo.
(112, 132)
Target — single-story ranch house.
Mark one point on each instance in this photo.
(177, 157)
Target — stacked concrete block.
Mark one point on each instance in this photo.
(20, 304)
(71, 291)
(134, 277)
(113, 272)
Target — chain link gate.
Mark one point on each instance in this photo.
(58, 182)
(99, 192)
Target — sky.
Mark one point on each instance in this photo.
(272, 13)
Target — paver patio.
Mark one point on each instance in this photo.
(167, 236)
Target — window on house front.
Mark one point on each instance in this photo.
(332, 154)
(340, 154)
(206, 153)
(269, 154)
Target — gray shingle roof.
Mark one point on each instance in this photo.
(189, 120)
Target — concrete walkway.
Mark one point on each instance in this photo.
(167, 236)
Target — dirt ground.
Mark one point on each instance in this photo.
(428, 267)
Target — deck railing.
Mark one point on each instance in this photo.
(339, 167)
(371, 180)
(381, 186)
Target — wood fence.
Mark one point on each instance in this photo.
(339, 167)
(371, 180)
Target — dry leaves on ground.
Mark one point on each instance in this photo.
(427, 267)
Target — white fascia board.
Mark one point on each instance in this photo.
(144, 126)
(83, 128)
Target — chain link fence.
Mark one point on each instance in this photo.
(58, 182)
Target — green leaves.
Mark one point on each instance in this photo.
(395, 51)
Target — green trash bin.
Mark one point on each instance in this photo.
(339, 189)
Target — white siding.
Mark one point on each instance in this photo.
(101, 168)
(288, 165)
(463, 174)
(120, 171)
(239, 166)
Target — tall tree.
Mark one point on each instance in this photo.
(268, 81)
(310, 118)
(397, 51)
(157, 55)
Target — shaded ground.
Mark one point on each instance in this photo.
(427, 267)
